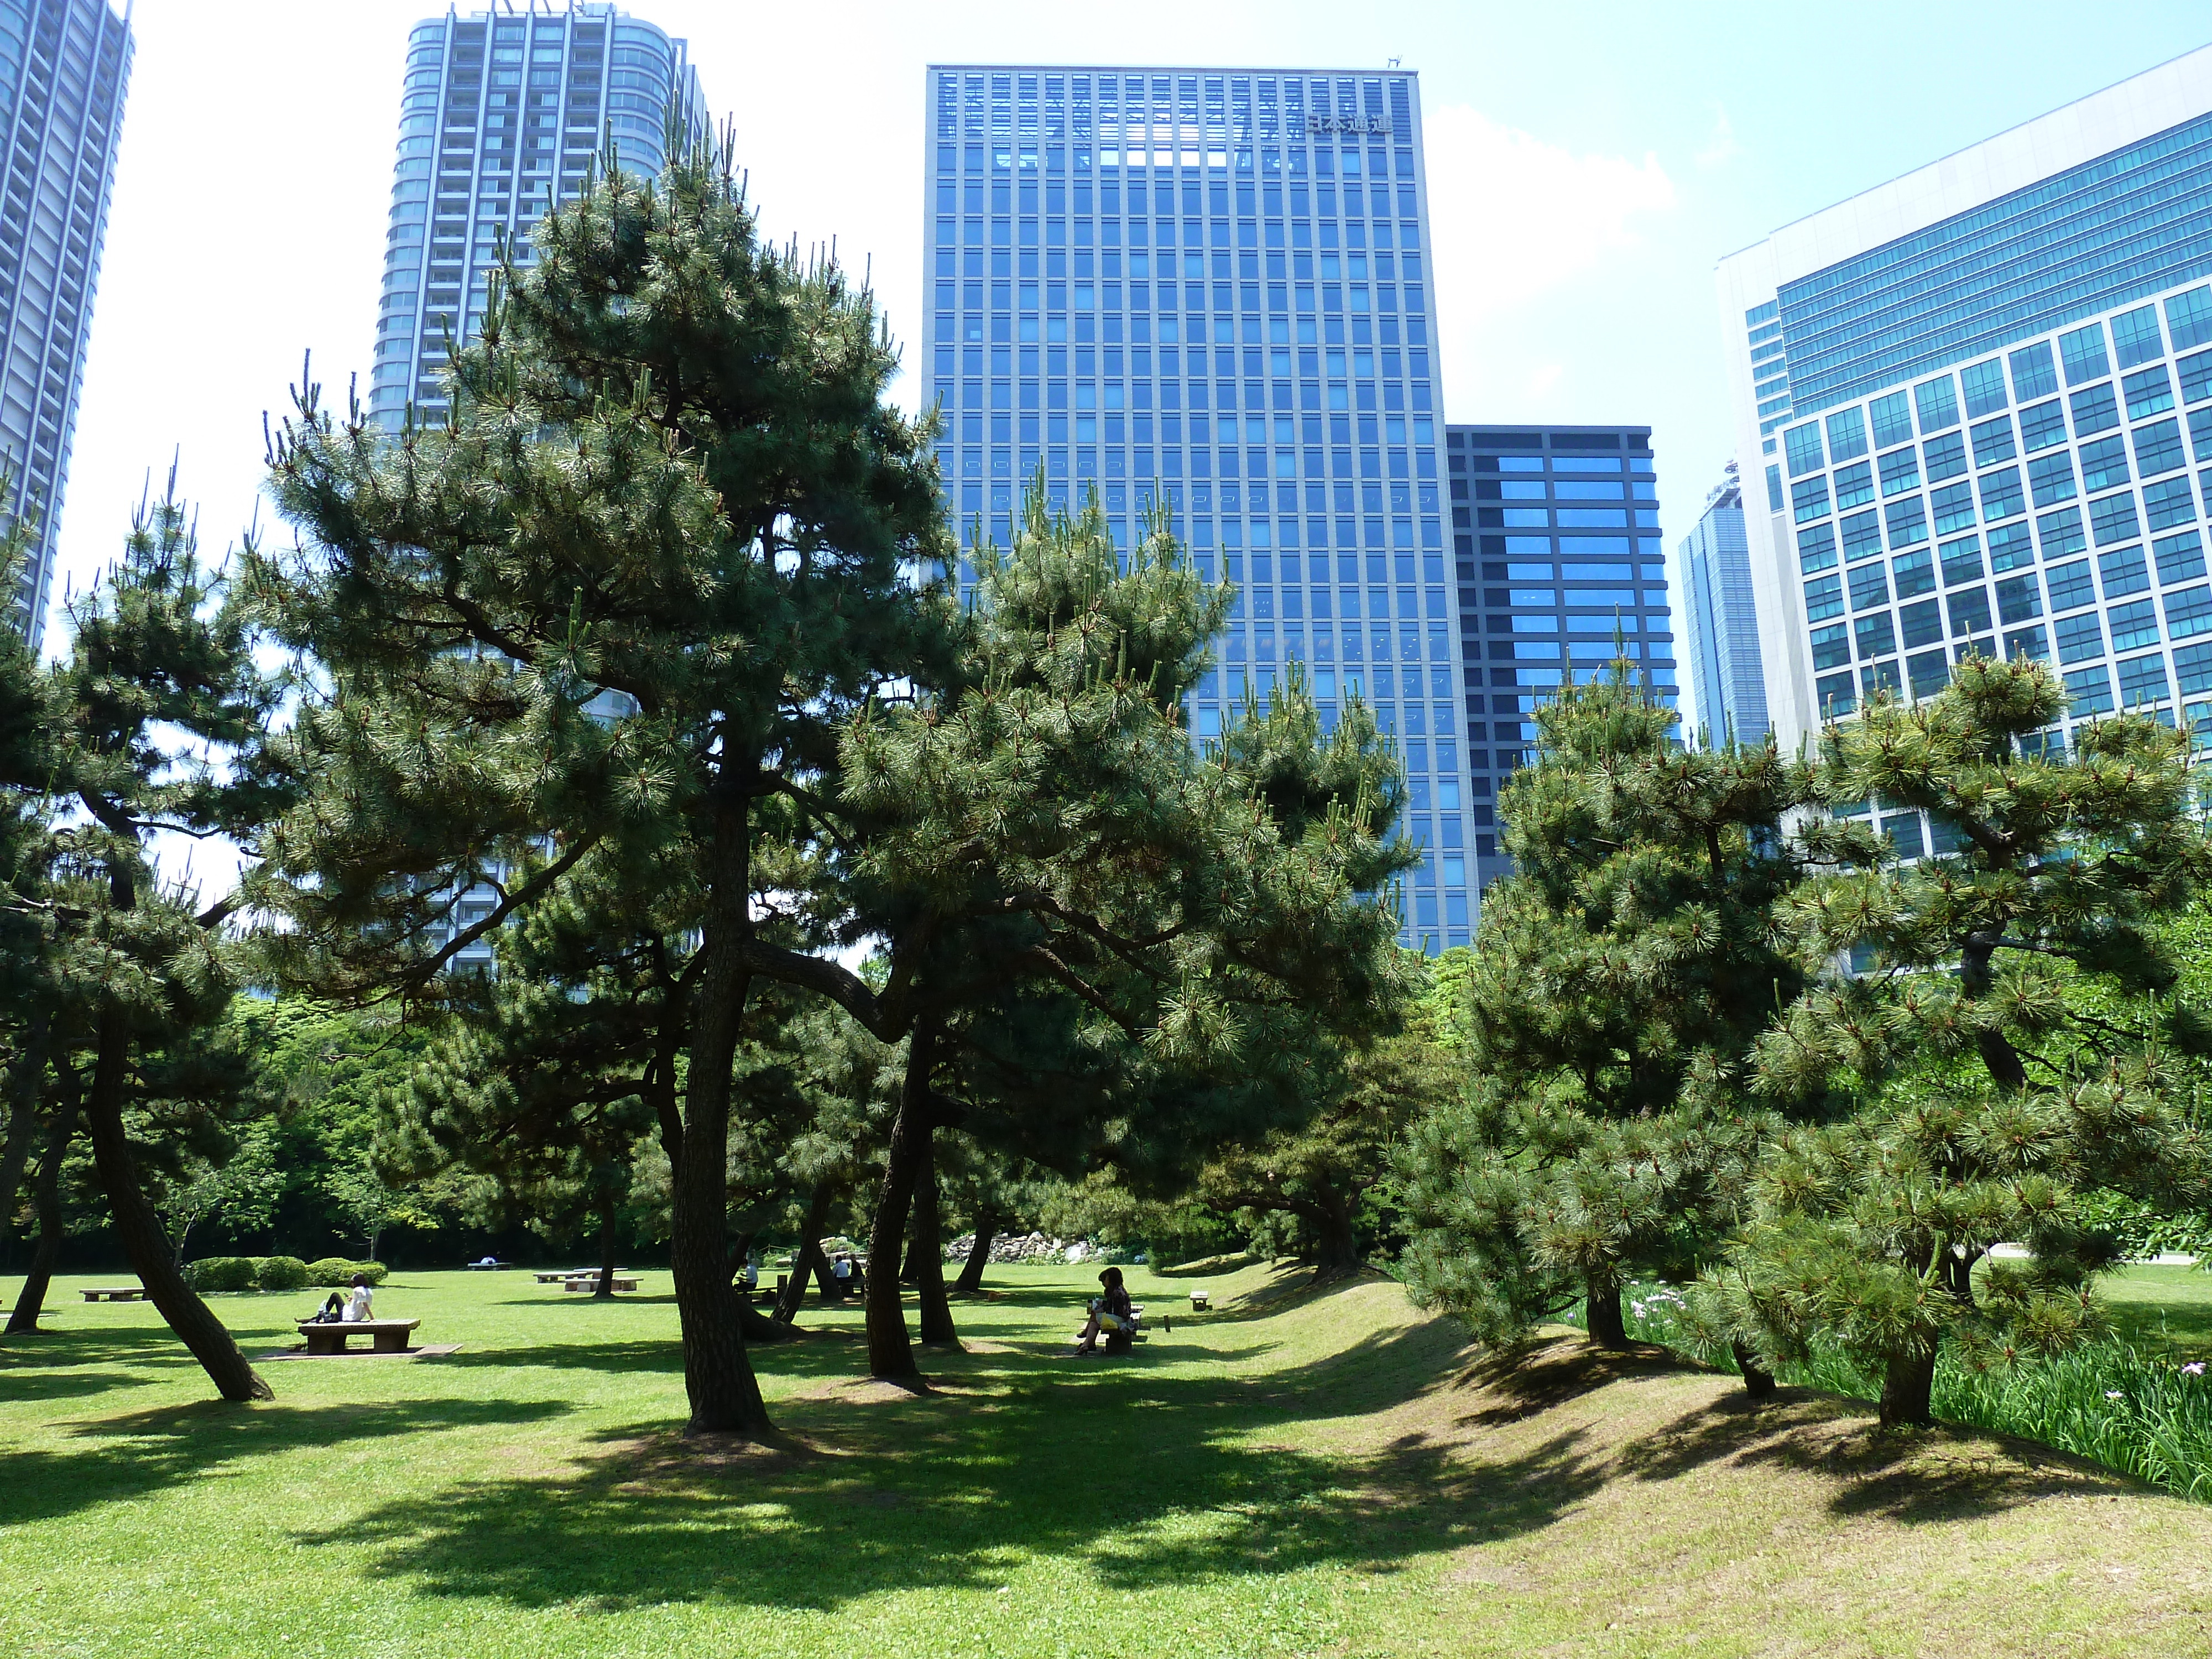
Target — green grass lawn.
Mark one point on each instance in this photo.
(2163, 1309)
(1286, 1474)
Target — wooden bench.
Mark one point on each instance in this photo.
(566, 1273)
(591, 1282)
(1200, 1302)
(387, 1335)
(117, 1293)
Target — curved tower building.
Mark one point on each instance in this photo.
(64, 66)
(501, 113)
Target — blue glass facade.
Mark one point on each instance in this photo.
(501, 116)
(1719, 626)
(2041, 502)
(1208, 289)
(2127, 225)
(1557, 542)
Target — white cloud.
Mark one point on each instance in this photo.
(1545, 376)
(1514, 216)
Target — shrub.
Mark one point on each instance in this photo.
(220, 1272)
(2145, 1229)
(336, 1272)
(280, 1272)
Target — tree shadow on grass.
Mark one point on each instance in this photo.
(136, 1454)
(1145, 1477)
(1915, 1477)
(23, 1383)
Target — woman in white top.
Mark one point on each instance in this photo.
(351, 1307)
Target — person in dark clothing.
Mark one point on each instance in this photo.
(1111, 1311)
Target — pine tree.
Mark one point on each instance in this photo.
(1618, 981)
(1993, 1093)
(1321, 1174)
(615, 608)
(1079, 906)
(152, 727)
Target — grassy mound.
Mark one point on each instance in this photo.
(1290, 1472)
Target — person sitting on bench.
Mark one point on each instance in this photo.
(1109, 1312)
(349, 1307)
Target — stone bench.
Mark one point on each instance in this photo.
(330, 1336)
(591, 1282)
(116, 1293)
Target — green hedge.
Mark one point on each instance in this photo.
(220, 1272)
(338, 1271)
(280, 1272)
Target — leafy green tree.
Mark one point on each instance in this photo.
(1620, 980)
(241, 1188)
(2012, 1031)
(151, 728)
(614, 610)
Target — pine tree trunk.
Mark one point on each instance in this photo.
(1908, 1384)
(24, 1086)
(1337, 1245)
(1601, 1314)
(970, 1282)
(46, 1198)
(1758, 1381)
(140, 1229)
(890, 1352)
(606, 1286)
(808, 1262)
(925, 1252)
(718, 1374)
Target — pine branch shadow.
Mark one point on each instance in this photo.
(1914, 1477)
(1139, 1473)
(134, 1455)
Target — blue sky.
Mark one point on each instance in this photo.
(1587, 165)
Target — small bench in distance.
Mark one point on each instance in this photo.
(330, 1336)
(116, 1293)
(591, 1282)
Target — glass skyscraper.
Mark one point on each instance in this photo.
(63, 68)
(1977, 394)
(1209, 289)
(502, 113)
(1557, 536)
(1720, 622)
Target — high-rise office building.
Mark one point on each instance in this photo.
(503, 112)
(63, 68)
(1975, 394)
(1557, 535)
(1209, 289)
(1719, 627)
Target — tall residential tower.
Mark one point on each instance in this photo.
(1720, 622)
(1210, 288)
(1557, 533)
(1974, 395)
(503, 112)
(63, 67)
